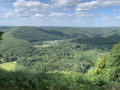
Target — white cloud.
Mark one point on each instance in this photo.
(23, 7)
(111, 18)
(96, 4)
(8, 14)
(64, 3)
(83, 8)
(117, 10)
(38, 15)
(60, 15)
(83, 14)
(111, 3)
(118, 17)
(88, 6)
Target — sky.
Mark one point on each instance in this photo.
(72, 13)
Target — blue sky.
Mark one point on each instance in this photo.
(82, 13)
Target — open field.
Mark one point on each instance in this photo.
(40, 46)
(8, 66)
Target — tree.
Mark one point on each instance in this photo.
(109, 67)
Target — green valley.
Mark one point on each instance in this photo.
(60, 58)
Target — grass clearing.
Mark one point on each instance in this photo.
(8, 66)
(40, 46)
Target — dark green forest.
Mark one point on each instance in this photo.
(60, 58)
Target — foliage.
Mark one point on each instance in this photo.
(65, 56)
(63, 66)
(76, 32)
(73, 32)
(35, 34)
(12, 48)
(108, 67)
(77, 55)
(48, 81)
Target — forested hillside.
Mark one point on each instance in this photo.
(108, 67)
(35, 34)
(114, 34)
(74, 32)
(12, 48)
(4, 29)
(84, 31)
(73, 54)
(101, 31)
(79, 59)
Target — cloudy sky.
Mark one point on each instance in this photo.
(85, 13)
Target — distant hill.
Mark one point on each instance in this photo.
(80, 32)
(37, 34)
(34, 34)
(12, 48)
(115, 34)
(100, 31)
(4, 28)
(73, 32)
